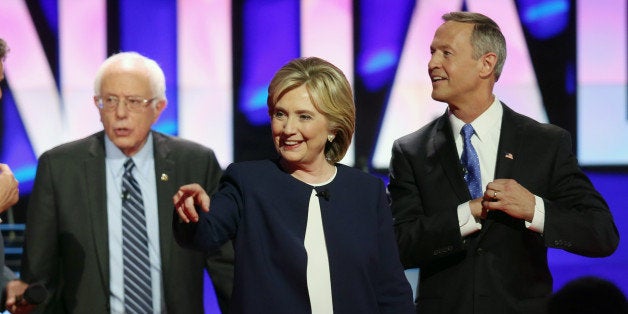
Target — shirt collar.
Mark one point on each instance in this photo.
(489, 122)
(116, 158)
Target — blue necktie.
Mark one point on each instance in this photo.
(138, 294)
(471, 163)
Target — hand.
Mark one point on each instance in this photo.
(510, 197)
(185, 200)
(9, 191)
(477, 208)
(13, 289)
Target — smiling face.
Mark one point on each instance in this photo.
(299, 130)
(128, 130)
(455, 74)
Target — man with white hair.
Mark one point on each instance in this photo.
(98, 232)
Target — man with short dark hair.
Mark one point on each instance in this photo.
(480, 193)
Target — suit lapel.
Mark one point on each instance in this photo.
(166, 184)
(444, 148)
(510, 139)
(95, 177)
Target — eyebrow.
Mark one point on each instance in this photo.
(441, 47)
(298, 111)
(301, 111)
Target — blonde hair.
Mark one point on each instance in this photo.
(330, 93)
(4, 49)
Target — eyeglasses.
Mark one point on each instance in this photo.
(133, 103)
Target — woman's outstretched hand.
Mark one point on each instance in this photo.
(187, 198)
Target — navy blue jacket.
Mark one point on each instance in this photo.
(265, 211)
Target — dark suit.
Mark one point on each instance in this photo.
(265, 211)
(503, 267)
(67, 234)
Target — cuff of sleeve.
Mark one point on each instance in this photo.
(538, 220)
(467, 223)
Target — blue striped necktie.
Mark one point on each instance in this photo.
(138, 294)
(471, 163)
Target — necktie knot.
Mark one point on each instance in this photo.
(128, 165)
(471, 163)
(467, 131)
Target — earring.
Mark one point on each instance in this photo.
(330, 138)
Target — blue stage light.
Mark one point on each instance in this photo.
(271, 39)
(544, 18)
(382, 36)
(167, 126)
(254, 105)
(377, 68)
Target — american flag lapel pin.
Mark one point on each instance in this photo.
(509, 156)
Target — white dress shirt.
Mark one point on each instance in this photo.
(486, 141)
(318, 275)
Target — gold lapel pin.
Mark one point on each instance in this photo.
(164, 177)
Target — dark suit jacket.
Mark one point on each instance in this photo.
(265, 211)
(66, 245)
(503, 268)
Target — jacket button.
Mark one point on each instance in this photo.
(480, 251)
